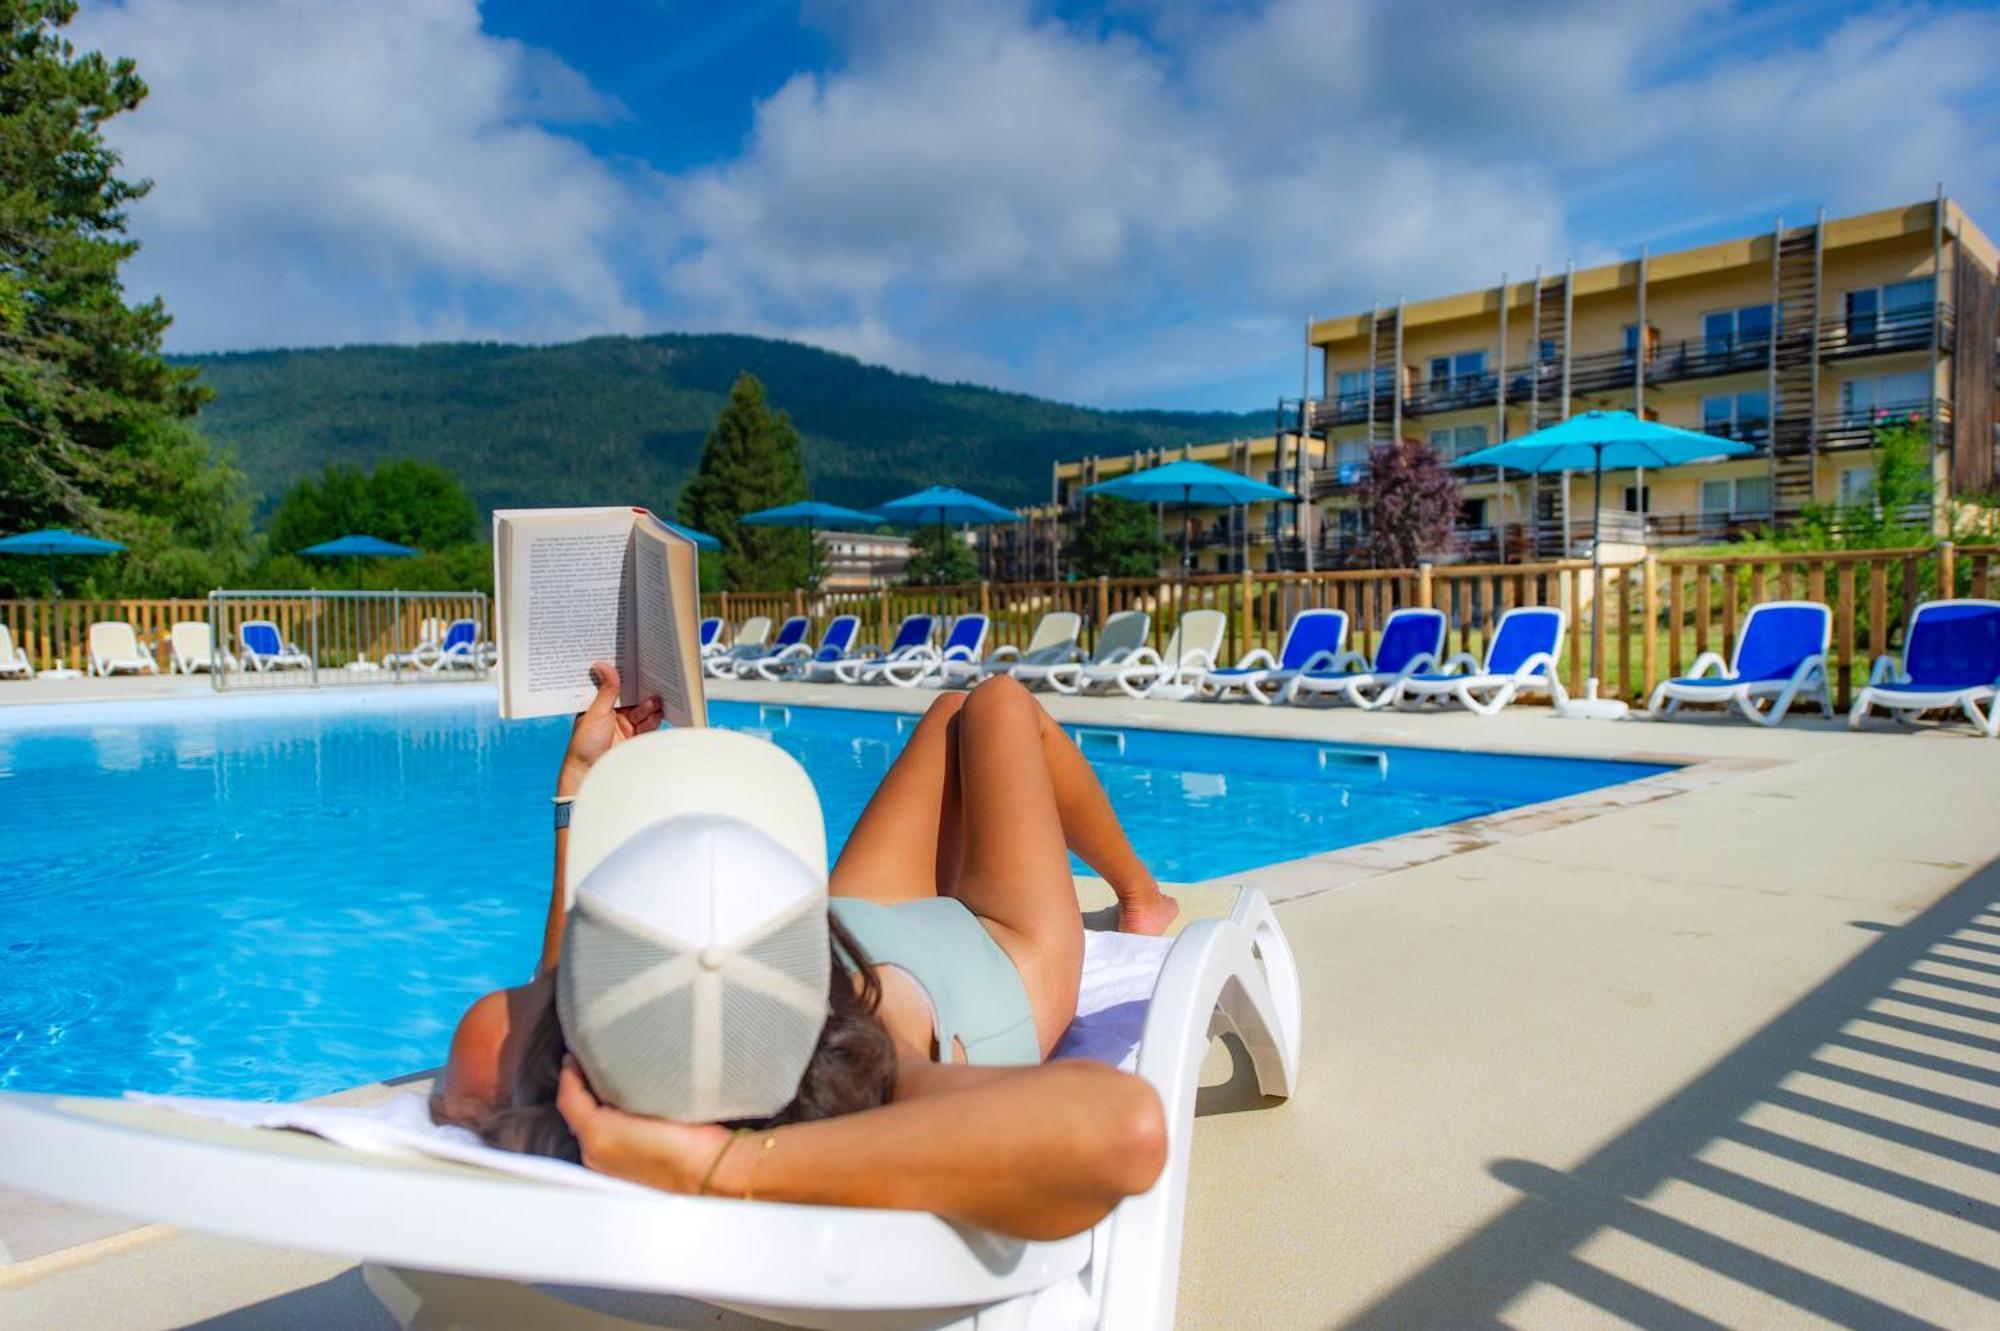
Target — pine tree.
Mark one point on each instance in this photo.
(1118, 539)
(92, 418)
(751, 461)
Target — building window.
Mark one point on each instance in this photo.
(1892, 311)
(1472, 514)
(1743, 497)
(1727, 331)
(1546, 353)
(1857, 487)
(1638, 499)
(1879, 397)
(1463, 370)
(1744, 416)
(1351, 385)
(1455, 441)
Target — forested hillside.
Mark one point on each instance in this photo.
(618, 419)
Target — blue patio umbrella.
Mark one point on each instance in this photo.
(813, 516)
(53, 542)
(1597, 440)
(1192, 485)
(942, 504)
(360, 547)
(702, 540)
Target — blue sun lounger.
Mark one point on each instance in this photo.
(1313, 641)
(1951, 658)
(1522, 658)
(799, 661)
(964, 646)
(1412, 640)
(741, 661)
(1780, 659)
(913, 638)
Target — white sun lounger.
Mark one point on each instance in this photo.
(1951, 659)
(709, 636)
(964, 645)
(1123, 634)
(1313, 641)
(264, 648)
(800, 661)
(1191, 650)
(913, 639)
(1412, 640)
(13, 661)
(452, 1246)
(114, 650)
(1780, 658)
(749, 641)
(1522, 658)
(1053, 643)
(193, 643)
(741, 660)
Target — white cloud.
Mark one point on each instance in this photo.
(1126, 209)
(364, 170)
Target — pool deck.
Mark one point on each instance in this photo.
(1717, 1048)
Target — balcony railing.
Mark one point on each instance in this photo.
(1668, 362)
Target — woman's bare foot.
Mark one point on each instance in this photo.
(1150, 915)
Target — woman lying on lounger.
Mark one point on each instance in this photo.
(956, 958)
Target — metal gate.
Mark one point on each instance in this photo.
(313, 639)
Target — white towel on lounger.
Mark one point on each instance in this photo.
(1118, 975)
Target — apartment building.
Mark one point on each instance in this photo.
(852, 561)
(1801, 341)
(1260, 536)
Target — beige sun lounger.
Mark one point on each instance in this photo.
(114, 650)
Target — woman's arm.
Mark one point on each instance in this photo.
(1039, 1153)
(597, 730)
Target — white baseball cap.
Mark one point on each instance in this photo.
(695, 963)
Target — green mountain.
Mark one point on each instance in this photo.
(621, 420)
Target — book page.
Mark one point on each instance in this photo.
(666, 610)
(565, 600)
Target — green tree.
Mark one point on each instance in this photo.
(751, 460)
(939, 557)
(90, 413)
(1118, 539)
(1894, 510)
(406, 500)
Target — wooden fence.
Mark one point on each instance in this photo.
(1648, 619)
(334, 628)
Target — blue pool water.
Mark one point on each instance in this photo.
(298, 900)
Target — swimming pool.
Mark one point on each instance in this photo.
(289, 899)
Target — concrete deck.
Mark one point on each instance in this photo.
(1723, 1051)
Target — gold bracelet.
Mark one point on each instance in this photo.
(750, 1189)
(735, 1136)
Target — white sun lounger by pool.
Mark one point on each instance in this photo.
(964, 645)
(1191, 649)
(709, 635)
(114, 650)
(913, 639)
(800, 661)
(193, 643)
(1053, 643)
(1123, 634)
(264, 648)
(1313, 641)
(1412, 640)
(13, 661)
(1522, 658)
(1780, 658)
(1951, 659)
(749, 641)
(741, 660)
(449, 1245)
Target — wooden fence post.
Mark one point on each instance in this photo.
(1246, 607)
(1423, 584)
(986, 599)
(1947, 579)
(1649, 653)
(1103, 600)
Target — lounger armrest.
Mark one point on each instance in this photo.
(1256, 657)
(1321, 660)
(1194, 661)
(1884, 671)
(1419, 663)
(1461, 663)
(1706, 662)
(1006, 653)
(1140, 658)
(1347, 662)
(1542, 665)
(1812, 665)
(796, 651)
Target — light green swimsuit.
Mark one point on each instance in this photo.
(975, 991)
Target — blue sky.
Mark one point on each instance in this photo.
(1132, 203)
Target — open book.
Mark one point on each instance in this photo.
(577, 585)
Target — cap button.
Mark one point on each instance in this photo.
(711, 958)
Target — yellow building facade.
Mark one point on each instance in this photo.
(1801, 341)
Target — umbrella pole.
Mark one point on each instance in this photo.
(1596, 566)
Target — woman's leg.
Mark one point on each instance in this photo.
(906, 844)
(1094, 833)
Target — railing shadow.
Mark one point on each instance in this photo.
(1850, 1143)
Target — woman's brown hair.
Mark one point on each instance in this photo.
(852, 1068)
